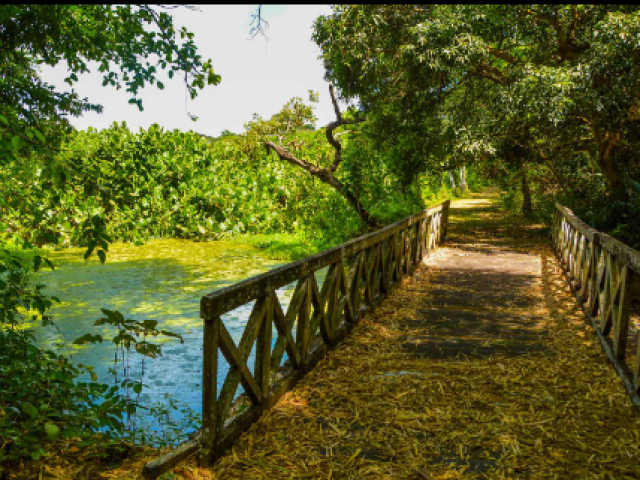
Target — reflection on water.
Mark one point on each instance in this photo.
(163, 280)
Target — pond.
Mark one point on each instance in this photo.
(162, 280)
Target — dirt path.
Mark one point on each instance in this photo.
(479, 366)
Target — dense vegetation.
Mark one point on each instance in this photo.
(173, 184)
(542, 100)
(128, 186)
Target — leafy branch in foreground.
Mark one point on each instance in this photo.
(130, 334)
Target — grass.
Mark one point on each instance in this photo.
(279, 246)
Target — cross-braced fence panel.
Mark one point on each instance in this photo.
(605, 276)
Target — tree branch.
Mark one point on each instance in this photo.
(167, 38)
(336, 108)
(333, 139)
(287, 156)
(326, 174)
(258, 24)
(501, 54)
(490, 73)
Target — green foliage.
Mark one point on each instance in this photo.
(550, 89)
(131, 45)
(44, 398)
(621, 219)
(19, 298)
(154, 184)
(132, 186)
(295, 115)
(281, 246)
(132, 338)
(126, 186)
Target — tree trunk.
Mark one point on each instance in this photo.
(328, 178)
(607, 146)
(526, 193)
(463, 179)
(452, 180)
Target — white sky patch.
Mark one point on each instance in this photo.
(258, 76)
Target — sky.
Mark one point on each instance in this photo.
(258, 75)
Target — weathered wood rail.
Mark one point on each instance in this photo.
(605, 277)
(360, 274)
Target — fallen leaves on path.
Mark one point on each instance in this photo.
(373, 410)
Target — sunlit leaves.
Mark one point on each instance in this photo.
(17, 142)
(293, 116)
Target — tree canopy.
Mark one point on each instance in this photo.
(130, 44)
(501, 85)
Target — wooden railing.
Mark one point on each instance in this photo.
(605, 277)
(360, 274)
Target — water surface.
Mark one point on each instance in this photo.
(162, 280)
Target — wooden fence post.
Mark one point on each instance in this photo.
(622, 310)
(209, 389)
(262, 365)
(445, 215)
(304, 323)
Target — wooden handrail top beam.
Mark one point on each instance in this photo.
(622, 252)
(228, 298)
(576, 223)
